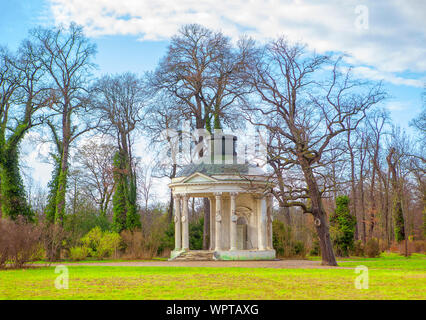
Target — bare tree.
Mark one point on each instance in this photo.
(398, 166)
(22, 99)
(201, 70)
(352, 156)
(375, 123)
(95, 162)
(120, 101)
(66, 56)
(163, 129)
(362, 147)
(145, 183)
(303, 115)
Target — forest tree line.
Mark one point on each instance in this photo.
(328, 134)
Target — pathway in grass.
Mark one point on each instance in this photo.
(281, 264)
(389, 278)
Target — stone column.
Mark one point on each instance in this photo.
(178, 235)
(212, 223)
(185, 225)
(218, 218)
(261, 240)
(270, 199)
(233, 222)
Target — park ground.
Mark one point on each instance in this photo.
(391, 276)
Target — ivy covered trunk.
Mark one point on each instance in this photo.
(119, 202)
(132, 218)
(13, 197)
(125, 215)
(62, 186)
(398, 214)
(13, 200)
(398, 218)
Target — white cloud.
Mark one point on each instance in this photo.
(398, 105)
(374, 74)
(393, 42)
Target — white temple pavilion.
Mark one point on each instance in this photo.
(240, 207)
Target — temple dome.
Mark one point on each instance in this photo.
(221, 159)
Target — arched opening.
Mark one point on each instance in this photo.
(241, 233)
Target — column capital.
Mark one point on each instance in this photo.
(259, 196)
(185, 196)
(176, 196)
(233, 194)
(217, 194)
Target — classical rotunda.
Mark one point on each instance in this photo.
(240, 206)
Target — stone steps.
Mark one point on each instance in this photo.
(195, 255)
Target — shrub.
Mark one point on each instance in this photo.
(53, 237)
(372, 248)
(299, 248)
(413, 246)
(78, 253)
(419, 246)
(19, 241)
(132, 241)
(358, 249)
(284, 243)
(85, 218)
(280, 237)
(139, 245)
(108, 245)
(39, 253)
(92, 240)
(167, 242)
(101, 244)
(342, 227)
(315, 250)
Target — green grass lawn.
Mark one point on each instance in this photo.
(390, 277)
(93, 260)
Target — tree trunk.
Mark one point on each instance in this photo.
(285, 212)
(327, 253)
(320, 216)
(171, 204)
(397, 209)
(373, 208)
(170, 211)
(354, 200)
(363, 219)
(62, 185)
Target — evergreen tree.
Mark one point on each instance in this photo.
(132, 219)
(14, 202)
(342, 227)
(119, 202)
(398, 218)
(53, 188)
(125, 211)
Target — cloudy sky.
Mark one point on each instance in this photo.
(383, 39)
